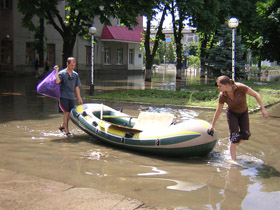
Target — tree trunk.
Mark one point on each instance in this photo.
(260, 63)
(68, 46)
(203, 57)
(159, 36)
(149, 60)
(179, 61)
(177, 32)
(149, 65)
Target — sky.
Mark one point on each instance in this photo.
(166, 24)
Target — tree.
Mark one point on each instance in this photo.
(178, 26)
(161, 51)
(212, 15)
(251, 25)
(165, 53)
(270, 13)
(170, 54)
(79, 16)
(259, 26)
(220, 56)
(183, 13)
(150, 52)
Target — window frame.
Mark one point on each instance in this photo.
(51, 54)
(119, 56)
(107, 56)
(6, 52)
(131, 56)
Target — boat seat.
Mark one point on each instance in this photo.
(153, 121)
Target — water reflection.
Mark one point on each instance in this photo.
(156, 172)
(231, 188)
(183, 186)
(180, 185)
(257, 198)
(267, 172)
(163, 78)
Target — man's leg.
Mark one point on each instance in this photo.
(66, 117)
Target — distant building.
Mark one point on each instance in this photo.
(116, 48)
(189, 36)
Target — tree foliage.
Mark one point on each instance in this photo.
(270, 14)
(165, 53)
(259, 25)
(78, 16)
(220, 55)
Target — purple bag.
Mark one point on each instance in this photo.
(48, 86)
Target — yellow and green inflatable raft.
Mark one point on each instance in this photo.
(153, 133)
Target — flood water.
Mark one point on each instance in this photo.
(31, 143)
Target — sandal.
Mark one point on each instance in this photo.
(69, 134)
(62, 129)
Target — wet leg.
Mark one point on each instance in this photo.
(232, 148)
(66, 117)
(241, 141)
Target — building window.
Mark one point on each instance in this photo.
(30, 53)
(107, 55)
(191, 38)
(6, 52)
(5, 4)
(131, 56)
(119, 56)
(88, 55)
(185, 38)
(51, 54)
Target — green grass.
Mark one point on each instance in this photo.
(196, 95)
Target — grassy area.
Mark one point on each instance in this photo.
(196, 95)
(265, 67)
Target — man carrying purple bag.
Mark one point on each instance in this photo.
(69, 85)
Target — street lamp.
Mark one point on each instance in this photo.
(233, 24)
(92, 31)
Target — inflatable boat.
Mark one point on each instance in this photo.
(154, 133)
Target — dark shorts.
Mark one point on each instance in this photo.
(238, 124)
(66, 104)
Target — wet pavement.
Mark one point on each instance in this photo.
(23, 192)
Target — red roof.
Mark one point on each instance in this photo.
(122, 33)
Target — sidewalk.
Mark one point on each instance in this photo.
(23, 192)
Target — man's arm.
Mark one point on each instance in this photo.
(78, 94)
(57, 81)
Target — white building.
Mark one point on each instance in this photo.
(117, 48)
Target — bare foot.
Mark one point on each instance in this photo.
(234, 162)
